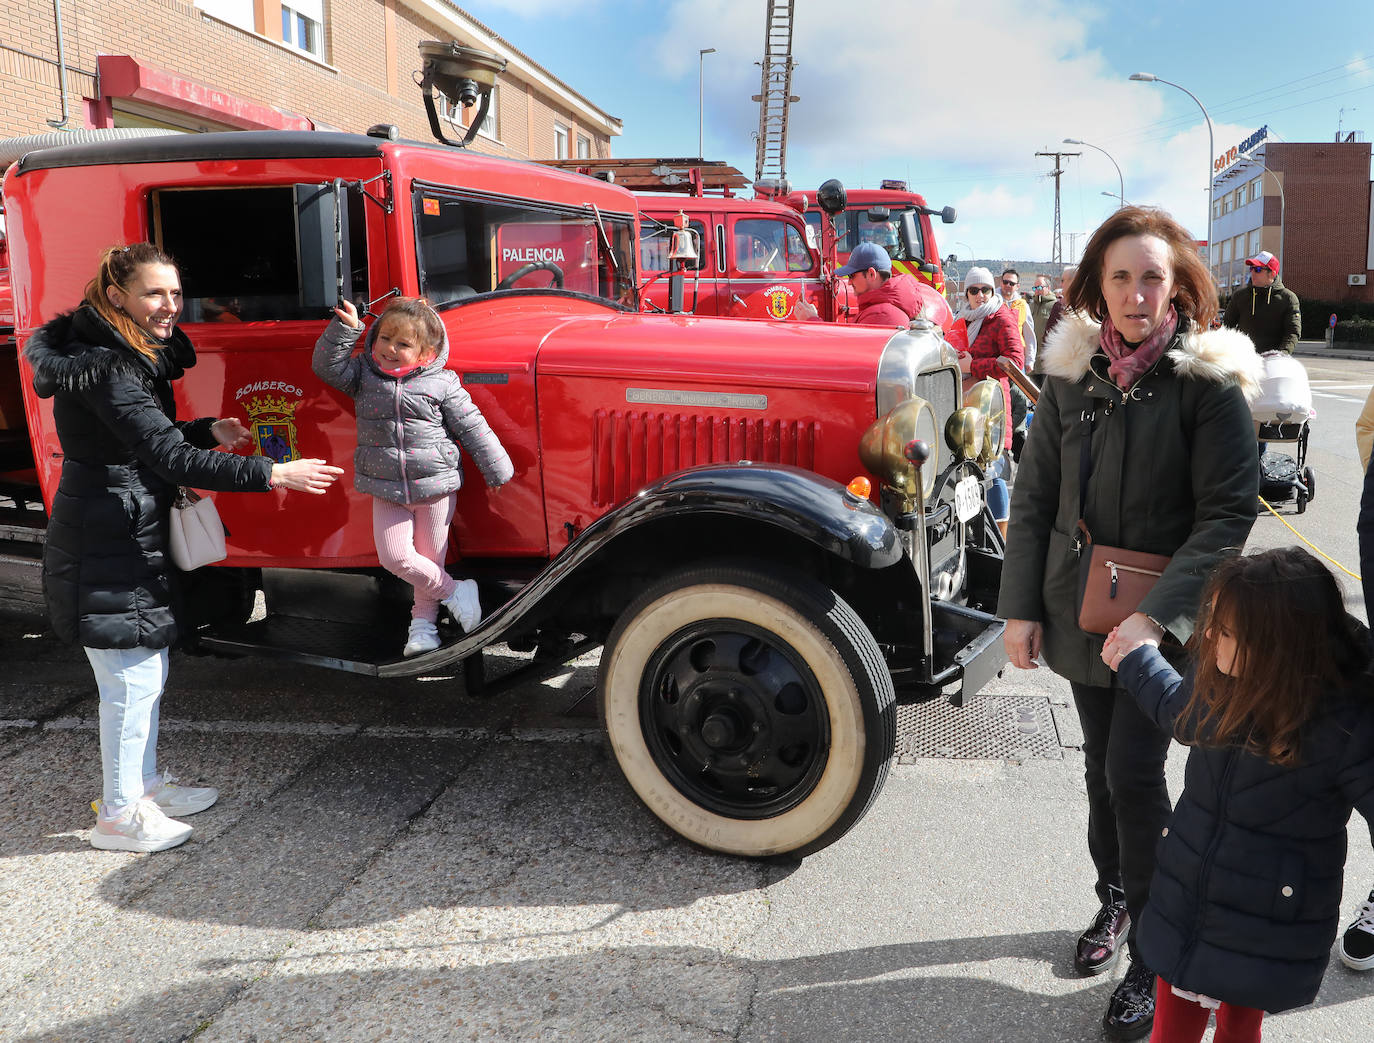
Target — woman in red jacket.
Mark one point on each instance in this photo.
(984, 332)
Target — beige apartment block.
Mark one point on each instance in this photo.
(208, 65)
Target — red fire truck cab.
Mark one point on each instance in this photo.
(683, 494)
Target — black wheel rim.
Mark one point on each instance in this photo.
(734, 719)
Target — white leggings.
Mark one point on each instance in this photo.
(411, 542)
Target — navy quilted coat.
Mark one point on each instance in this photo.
(1245, 900)
(107, 578)
(409, 427)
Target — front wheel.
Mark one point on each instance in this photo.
(751, 711)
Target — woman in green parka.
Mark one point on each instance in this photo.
(1165, 402)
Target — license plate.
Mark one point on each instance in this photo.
(968, 498)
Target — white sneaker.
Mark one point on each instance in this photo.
(424, 637)
(177, 800)
(143, 827)
(1357, 943)
(464, 606)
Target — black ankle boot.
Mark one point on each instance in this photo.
(1131, 1010)
(1100, 944)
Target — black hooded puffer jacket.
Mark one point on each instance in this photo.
(107, 578)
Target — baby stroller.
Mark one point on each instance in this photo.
(1283, 412)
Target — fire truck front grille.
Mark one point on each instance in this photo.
(633, 448)
(941, 390)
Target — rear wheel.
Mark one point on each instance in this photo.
(752, 712)
(1310, 480)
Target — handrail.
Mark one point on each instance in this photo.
(1019, 378)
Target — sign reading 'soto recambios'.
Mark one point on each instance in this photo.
(1236, 151)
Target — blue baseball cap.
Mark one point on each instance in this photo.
(864, 257)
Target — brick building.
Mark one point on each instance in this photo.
(202, 65)
(1309, 203)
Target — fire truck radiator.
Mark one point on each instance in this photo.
(634, 448)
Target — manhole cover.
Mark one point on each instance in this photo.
(1011, 727)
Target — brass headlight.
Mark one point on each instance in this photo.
(882, 447)
(990, 400)
(966, 432)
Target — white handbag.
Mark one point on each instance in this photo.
(195, 533)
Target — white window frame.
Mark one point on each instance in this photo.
(304, 15)
(461, 117)
(584, 147)
(560, 141)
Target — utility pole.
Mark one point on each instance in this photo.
(1058, 257)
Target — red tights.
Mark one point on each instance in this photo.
(1182, 1021)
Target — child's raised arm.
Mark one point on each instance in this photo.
(332, 361)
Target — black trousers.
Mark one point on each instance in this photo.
(1128, 801)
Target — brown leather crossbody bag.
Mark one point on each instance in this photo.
(1112, 581)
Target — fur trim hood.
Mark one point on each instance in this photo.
(1220, 356)
(79, 350)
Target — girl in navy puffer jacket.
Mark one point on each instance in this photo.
(1277, 706)
(412, 414)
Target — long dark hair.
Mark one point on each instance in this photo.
(1197, 294)
(1294, 644)
(117, 266)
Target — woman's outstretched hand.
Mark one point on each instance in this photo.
(1022, 639)
(231, 433)
(1133, 631)
(305, 476)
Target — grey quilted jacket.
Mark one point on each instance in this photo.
(409, 427)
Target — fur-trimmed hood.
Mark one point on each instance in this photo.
(79, 349)
(1220, 356)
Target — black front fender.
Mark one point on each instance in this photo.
(795, 500)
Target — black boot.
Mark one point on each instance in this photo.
(1099, 945)
(1131, 1010)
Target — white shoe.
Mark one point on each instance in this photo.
(424, 637)
(464, 606)
(143, 827)
(1357, 943)
(177, 800)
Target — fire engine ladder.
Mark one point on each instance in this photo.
(775, 93)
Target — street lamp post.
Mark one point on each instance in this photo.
(1121, 181)
(701, 95)
(1113, 195)
(1149, 77)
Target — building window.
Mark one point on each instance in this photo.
(1254, 243)
(302, 26)
(1257, 188)
(584, 147)
(1225, 251)
(560, 141)
(1226, 203)
(1240, 197)
(463, 116)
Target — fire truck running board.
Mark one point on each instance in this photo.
(374, 650)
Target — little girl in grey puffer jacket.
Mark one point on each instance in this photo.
(412, 415)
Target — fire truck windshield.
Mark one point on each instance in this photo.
(853, 227)
(470, 246)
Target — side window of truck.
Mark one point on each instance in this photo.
(259, 254)
(470, 246)
(655, 238)
(767, 245)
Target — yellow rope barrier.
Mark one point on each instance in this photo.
(1295, 532)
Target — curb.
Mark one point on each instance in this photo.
(1317, 349)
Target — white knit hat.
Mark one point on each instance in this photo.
(978, 277)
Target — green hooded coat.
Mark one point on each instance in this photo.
(1173, 472)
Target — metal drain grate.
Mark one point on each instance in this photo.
(1011, 727)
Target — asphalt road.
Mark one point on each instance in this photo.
(400, 861)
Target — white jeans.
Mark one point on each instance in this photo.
(130, 682)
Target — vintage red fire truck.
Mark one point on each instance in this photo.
(691, 494)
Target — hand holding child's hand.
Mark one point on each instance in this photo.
(348, 314)
(231, 433)
(1135, 630)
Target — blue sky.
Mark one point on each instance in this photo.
(958, 103)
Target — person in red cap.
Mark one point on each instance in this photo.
(1266, 311)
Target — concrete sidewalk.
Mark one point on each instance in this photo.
(1317, 349)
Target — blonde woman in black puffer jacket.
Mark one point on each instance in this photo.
(109, 582)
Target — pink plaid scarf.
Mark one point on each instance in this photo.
(1130, 364)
